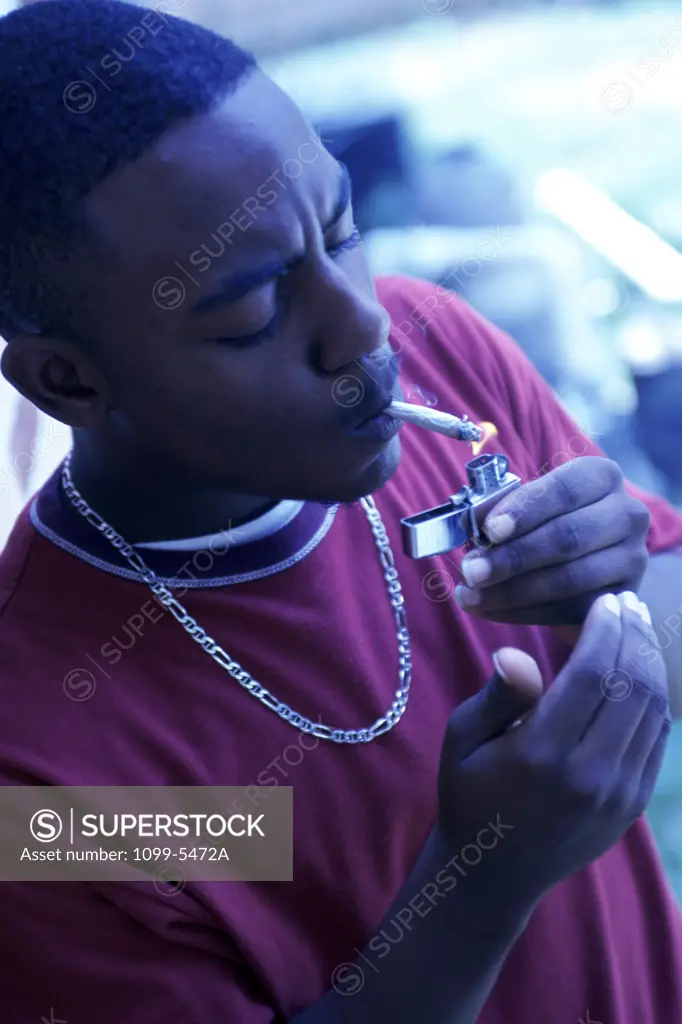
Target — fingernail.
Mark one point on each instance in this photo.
(466, 598)
(476, 569)
(631, 601)
(498, 667)
(500, 527)
(645, 613)
(611, 604)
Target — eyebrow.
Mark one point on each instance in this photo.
(236, 286)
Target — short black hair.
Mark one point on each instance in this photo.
(86, 86)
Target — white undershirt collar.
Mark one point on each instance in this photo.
(264, 526)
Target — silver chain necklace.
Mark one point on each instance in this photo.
(244, 678)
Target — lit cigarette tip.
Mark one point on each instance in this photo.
(442, 422)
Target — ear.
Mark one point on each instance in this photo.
(57, 377)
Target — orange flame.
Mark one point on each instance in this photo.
(489, 431)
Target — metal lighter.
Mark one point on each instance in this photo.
(460, 520)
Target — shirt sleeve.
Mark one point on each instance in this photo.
(548, 432)
(69, 953)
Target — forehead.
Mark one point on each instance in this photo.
(252, 171)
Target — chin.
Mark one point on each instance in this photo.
(370, 479)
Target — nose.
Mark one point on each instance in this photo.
(352, 326)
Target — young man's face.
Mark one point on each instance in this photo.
(238, 327)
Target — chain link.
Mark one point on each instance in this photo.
(165, 597)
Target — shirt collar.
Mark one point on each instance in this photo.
(219, 563)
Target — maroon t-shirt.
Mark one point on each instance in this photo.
(305, 610)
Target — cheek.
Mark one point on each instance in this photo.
(193, 395)
(358, 271)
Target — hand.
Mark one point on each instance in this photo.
(562, 786)
(556, 545)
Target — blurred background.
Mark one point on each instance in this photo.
(526, 155)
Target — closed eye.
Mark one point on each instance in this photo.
(244, 340)
(353, 240)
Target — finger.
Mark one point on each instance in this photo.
(554, 613)
(654, 762)
(629, 688)
(573, 699)
(651, 736)
(572, 486)
(641, 656)
(512, 691)
(564, 539)
(600, 571)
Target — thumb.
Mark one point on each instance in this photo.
(513, 690)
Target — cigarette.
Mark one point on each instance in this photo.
(442, 422)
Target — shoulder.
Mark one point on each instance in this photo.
(439, 336)
(14, 562)
(415, 305)
(420, 309)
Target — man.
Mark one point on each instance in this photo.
(183, 285)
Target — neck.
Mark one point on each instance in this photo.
(147, 503)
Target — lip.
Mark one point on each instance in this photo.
(378, 428)
(378, 411)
